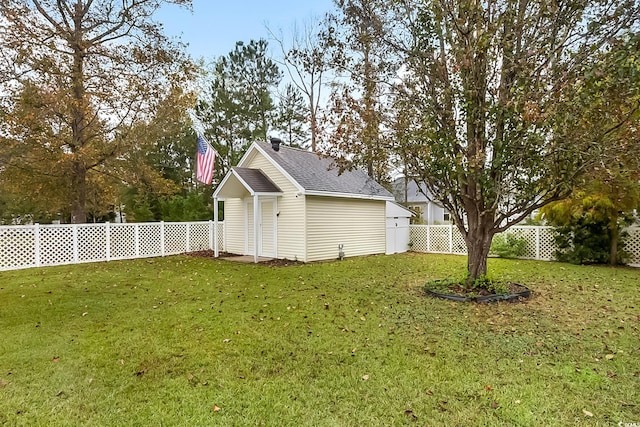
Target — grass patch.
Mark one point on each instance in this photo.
(190, 341)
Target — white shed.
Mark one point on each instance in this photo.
(287, 203)
(397, 228)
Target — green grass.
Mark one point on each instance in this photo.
(352, 343)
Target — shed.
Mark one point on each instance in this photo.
(398, 235)
(288, 203)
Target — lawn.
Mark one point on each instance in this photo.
(193, 341)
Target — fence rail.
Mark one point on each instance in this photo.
(25, 246)
(447, 239)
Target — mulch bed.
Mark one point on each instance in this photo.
(211, 254)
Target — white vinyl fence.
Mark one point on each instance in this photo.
(447, 239)
(24, 246)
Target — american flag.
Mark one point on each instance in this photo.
(206, 161)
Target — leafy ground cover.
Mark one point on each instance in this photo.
(193, 341)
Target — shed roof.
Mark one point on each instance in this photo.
(256, 180)
(319, 174)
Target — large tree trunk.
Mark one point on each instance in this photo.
(478, 245)
(79, 200)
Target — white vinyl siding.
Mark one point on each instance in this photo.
(290, 206)
(360, 225)
(234, 225)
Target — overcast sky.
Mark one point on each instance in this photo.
(214, 26)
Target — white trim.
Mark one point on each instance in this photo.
(251, 191)
(256, 208)
(222, 183)
(215, 227)
(348, 195)
(275, 227)
(243, 182)
(246, 225)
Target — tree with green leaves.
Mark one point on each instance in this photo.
(358, 104)
(238, 107)
(607, 97)
(290, 117)
(81, 74)
(487, 84)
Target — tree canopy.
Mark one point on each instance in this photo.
(488, 86)
(77, 77)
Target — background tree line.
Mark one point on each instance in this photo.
(500, 108)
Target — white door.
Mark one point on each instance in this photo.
(267, 228)
(397, 235)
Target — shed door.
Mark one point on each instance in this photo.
(267, 228)
(397, 235)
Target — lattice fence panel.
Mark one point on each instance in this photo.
(150, 244)
(529, 235)
(418, 238)
(175, 238)
(198, 236)
(122, 243)
(633, 245)
(17, 247)
(459, 246)
(547, 243)
(439, 239)
(221, 236)
(92, 243)
(56, 245)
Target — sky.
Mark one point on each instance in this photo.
(214, 26)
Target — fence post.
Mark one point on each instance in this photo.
(450, 238)
(211, 225)
(107, 232)
(428, 248)
(36, 237)
(74, 227)
(538, 242)
(188, 238)
(136, 236)
(162, 238)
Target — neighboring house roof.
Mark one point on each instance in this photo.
(256, 181)
(318, 175)
(413, 194)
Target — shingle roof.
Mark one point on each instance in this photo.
(317, 173)
(257, 180)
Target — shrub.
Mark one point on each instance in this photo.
(508, 246)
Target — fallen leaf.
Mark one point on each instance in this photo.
(587, 413)
(409, 413)
(226, 340)
(517, 402)
(56, 359)
(494, 405)
(215, 408)
(365, 377)
(85, 313)
(488, 387)
(609, 356)
(122, 361)
(3, 383)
